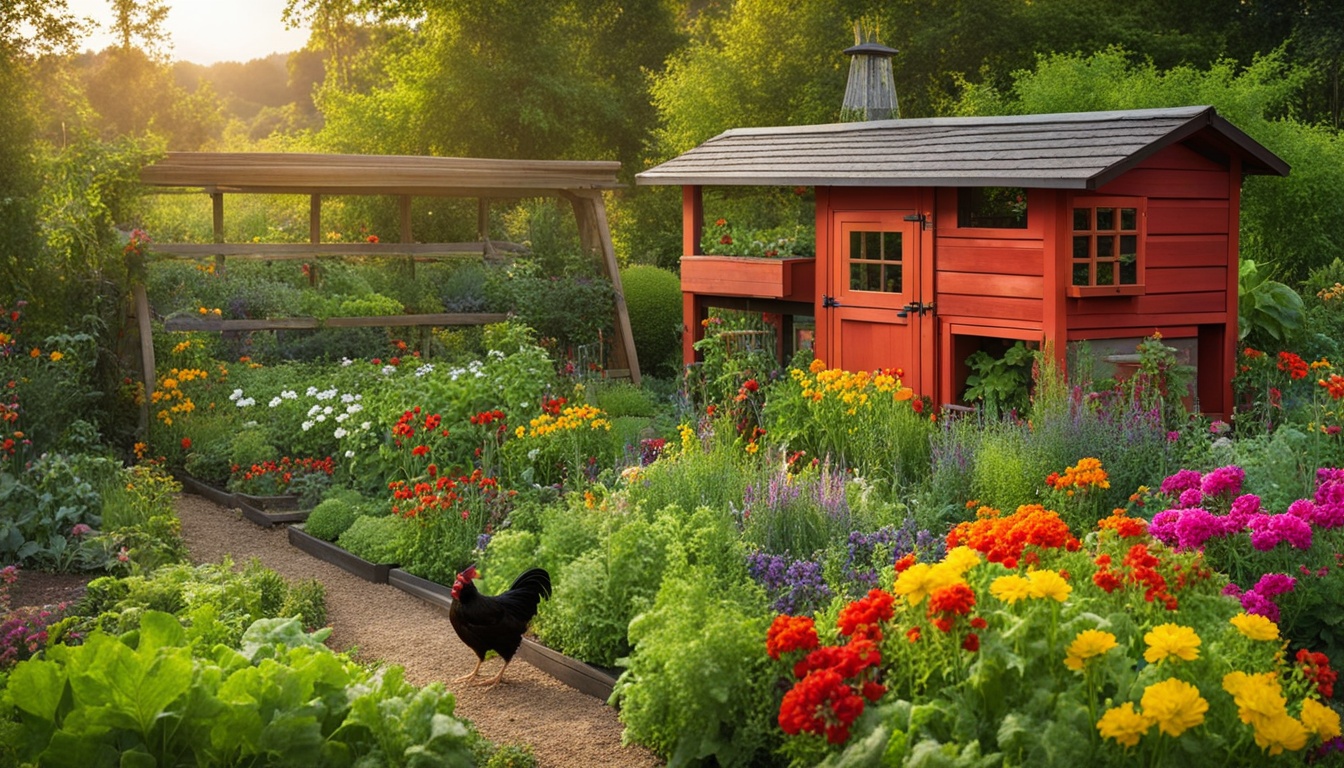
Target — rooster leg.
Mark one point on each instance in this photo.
(467, 677)
(495, 681)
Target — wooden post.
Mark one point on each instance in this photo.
(483, 226)
(595, 234)
(314, 232)
(404, 208)
(692, 219)
(146, 348)
(217, 222)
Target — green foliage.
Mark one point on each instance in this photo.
(653, 298)
(285, 699)
(619, 399)
(1269, 313)
(333, 516)
(40, 507)
(376, 539)
(1001, 384)
(697, 686)
(567, 307)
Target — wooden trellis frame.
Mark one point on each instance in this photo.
(404, 177)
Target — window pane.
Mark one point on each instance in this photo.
(872, 245)
(1129, 219)
(855, 245)
(1105, 247)
(993, 207)
(1082, 219)
(1080, 244)
(1106, 273)
(1105, 219)
(856, 278)
(1129, 247)
(891, 246)
(1129, 273)
(893, 282)
(1082, 274)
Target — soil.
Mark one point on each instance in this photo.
(379, 623)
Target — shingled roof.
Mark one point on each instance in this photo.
(1079, 150)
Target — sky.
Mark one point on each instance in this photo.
(207, 31)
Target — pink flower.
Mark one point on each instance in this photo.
(124, 556)
(80, 529)
(1223, 480)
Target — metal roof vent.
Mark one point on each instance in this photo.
(871, 91)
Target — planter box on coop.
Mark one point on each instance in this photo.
(793, 279)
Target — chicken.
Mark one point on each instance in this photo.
(495, 623)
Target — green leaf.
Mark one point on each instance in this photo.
(131, 689)
(43, 685)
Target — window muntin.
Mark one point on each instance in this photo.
(875, 262)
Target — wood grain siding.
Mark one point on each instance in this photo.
(1187, 251)
(980, 284)
(986, 310)
(1186, 217)
(988, 259)
(1187, 280)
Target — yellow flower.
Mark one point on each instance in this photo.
(1010, 588)
(56, 356)
(1320, 719)
(1174, 705)
(914, 583)
(817, 366)
(1167, 640)
(1088, 643)
(961, 560)
(752, 447)
(1255, 627)
(1049, 584)
(1279, 733)
(1258, 697)
(1124, 725)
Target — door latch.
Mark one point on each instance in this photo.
(924, 222)
(915, 306)
(828, 302)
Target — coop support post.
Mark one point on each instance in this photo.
(217, 224)
(404, 209)
(314, 232)
(692, 219)
(146, 349)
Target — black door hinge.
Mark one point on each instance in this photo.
(923, 220)
(828, 302)
(918, 307)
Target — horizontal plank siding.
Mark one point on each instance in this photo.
(951, 306)
(1209, 185)
(955, 257)
(1187, 250)
(1136, 306)
(1178, 157)
(1186, 280)
(1187, 217)
(1020, 286)
(1081, 326)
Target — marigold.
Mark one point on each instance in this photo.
(1011, 588)
(1255, 626)
(1047, 584)
(867, 614)
(1166, 640)
(1174, 705)
(1002, 539)
(1125, 527)
(1258, 697)
(1320, 719)
(1088, 644)
(1124, 725)
(1280, 732)
(955, 599)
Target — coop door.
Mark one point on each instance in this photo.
(873, 308)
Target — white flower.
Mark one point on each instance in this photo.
(346, 361)
(354, 408)
(328, 410)
(311, 391)
(321, 417)
(246, 401)
(495, 354)
(340, 433)
(341, 417)
(275, 401)
(388, 370)
(349, 454)
(307, 425)
(314, 409)
(289, 394)
(347, 398)
(424, 369)
(326, 394)
(523, 404)
(237, 393)
(366, 425)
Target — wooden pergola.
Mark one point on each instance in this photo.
(404, 177)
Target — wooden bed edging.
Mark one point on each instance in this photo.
(191, 485)
(252, 507)
(582, 677)
(330, 553)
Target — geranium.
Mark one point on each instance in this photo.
(821, 703)
(1124, 724)
(1293, 365)
(1316, 668)
(1089, 643)
(1168, 640)
(1255, 627)
(865, 616)
(1174, 705)
(790, 633)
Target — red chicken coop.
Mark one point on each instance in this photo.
(939, 237)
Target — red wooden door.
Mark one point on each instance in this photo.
(873, 292)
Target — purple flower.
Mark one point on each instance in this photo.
(1258, 604)
(1232, 590)
(1173, 436)
(1181, 481)
(1196, 526)
(1244, 506)
(1226, 480)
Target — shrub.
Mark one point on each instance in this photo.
(623, 399)
(333, 516)
(376, 539)
(653, 299)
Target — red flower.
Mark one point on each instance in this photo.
(420, 450)
(953, 600)
(790, 633)
(821, 703)
(917, 404)
(905, 562)
(912, 634)
(186, 443)
(1295, 366)
(979, 623)
(867, 613)
(971, 643)
(1316, 668)
(751, 385)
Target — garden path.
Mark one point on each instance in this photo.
(381, 623)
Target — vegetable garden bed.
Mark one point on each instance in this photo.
(330, 553)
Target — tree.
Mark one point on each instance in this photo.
(139, 24)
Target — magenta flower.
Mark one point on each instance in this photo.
(80, 529)
(1181, 481)
(1268, 530)
(1191, 497)
(1223, 480)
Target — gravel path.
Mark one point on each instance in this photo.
(381, 623)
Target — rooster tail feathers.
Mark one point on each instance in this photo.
(535, 580)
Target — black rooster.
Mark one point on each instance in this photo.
(497, 623)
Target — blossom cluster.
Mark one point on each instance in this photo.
(572, 418)
(1086, 475)
(462, 495)
(1259, 599)
(274, 477)
(851, 389)
(1004, 539)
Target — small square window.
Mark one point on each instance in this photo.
(1107, 247)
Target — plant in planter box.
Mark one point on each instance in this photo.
(447, 516)
(721, 239)
(377, 539)
(273, 478)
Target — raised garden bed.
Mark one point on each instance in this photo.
(268, 516)
(205, 490)
(585, 678)
(328, 552)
